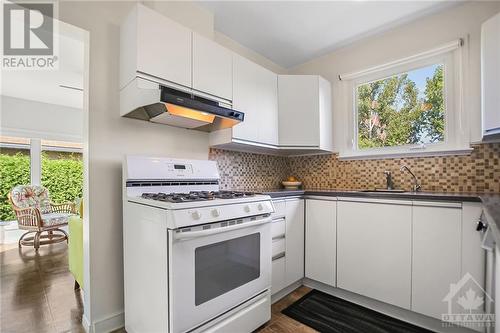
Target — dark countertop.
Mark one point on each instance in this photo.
(280, 193)
(491, 202)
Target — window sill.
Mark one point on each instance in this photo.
(402, 154)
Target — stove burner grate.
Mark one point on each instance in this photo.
(196, 196)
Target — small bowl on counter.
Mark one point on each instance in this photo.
(291, 185)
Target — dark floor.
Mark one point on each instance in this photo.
(36, 291)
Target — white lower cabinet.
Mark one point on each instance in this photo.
(401, 252)
(287, 230)
(374, 249)
(321, 235)
(294, 216)
(278, 273)
(436, 255)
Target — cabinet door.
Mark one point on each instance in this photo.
(325, 115)
(245, 99)
(267, 106)
(374, 250)
(255, 92)
(278, 275)
(298, 109)
(490, 58)
(212, 68)
(163, 47)
(294, 240)
(321, 235)
(436, 257)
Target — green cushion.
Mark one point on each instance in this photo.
(75, 250)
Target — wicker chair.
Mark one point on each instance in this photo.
(35, 213)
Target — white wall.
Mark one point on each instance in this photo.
(31, 119)
(111, 137)
(459, 22)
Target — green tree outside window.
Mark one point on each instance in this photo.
(403, 109)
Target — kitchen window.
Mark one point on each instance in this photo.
(411, 106)
(403, 109)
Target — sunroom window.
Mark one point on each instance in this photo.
(56, 165)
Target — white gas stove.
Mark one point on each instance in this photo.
(195, 258)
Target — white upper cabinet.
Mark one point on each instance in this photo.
(245, 98)
(285, 114)
(154, 45)
(255, 93)
(305, 112)
(267, 105)
(490, 74)
(212, 68)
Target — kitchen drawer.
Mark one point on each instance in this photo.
(279, 209)
(278, 275)
(278, 247)
(278, 228)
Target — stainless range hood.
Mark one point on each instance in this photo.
(160, 104)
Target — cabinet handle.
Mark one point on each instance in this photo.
(278, 256)
(278, 237)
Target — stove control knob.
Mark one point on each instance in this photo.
(215, 213)
(246, 209)
(260, 207)
(196, 215)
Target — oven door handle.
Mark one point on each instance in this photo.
(202, 233)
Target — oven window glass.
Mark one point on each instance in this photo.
(224, 266)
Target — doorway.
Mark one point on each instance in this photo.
(43, 135)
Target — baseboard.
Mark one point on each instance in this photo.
(430, 323)
(285, 291)
(109, 323)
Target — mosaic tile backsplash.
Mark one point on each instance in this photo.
(247, 171)
(477, 172)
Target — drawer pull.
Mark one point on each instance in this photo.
(278, 256)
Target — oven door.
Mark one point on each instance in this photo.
(214, 270)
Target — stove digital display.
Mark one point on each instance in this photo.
(179, 167)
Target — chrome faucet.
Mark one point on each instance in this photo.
(388, 179)
(416, 185)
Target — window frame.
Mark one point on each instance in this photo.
(456, 139)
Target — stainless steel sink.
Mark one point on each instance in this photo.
(383, 190)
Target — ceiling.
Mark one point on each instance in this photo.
(293, 32)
